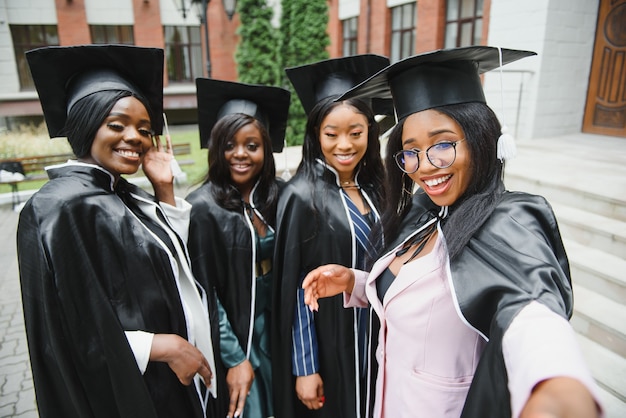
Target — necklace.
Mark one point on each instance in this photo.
(348, 184)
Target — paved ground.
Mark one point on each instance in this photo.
(17, 397)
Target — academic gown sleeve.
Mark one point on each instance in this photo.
(515, 258)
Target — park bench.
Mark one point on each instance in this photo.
(32, 168)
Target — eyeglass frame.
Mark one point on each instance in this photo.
(417, 152)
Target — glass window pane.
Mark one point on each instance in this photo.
(451, 35)
(396, 16)
(478, 31)
(452, 10)
(407, 45)
(407, 16)
(184, 58)
(466, 35)
(467, 8)
(395, 47)
(127, 36)
(52, 36)
(479, 7)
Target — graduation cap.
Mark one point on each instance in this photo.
(319, 80)
(437, 78)
(64, 75)
(268, 104)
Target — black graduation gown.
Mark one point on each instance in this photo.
(515, 257)
(221, 250)
(89, 270)
(305, 240)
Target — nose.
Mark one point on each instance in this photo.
(344, 142)
(239, 151)
(132, 135)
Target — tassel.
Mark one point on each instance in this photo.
(506, 145)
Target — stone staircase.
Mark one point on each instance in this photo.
(584, 179)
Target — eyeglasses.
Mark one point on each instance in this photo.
(441, 155)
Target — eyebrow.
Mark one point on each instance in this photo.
(354, 125)
(440, 131)
(430, 135)
(127, 116)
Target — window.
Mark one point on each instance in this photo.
(183, 52)
(101, 34)
(350, 32)
(464, 23)
(27, 37)
(402, 31)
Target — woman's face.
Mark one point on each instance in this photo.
(424, 129)
(123, 139)
(343, 140)
(245, 155)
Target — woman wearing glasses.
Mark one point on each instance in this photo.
(472, 286)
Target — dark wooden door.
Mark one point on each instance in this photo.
(605, 111)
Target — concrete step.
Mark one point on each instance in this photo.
(562, 193)
(600, 319)
(609, 371)
(592, 230)
(582, 171)
(597, 270)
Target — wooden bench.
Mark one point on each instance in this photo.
(33, 167)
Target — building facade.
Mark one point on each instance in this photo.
(576, 83)
(28, 24)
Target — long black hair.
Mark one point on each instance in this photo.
(87, 115)
(482, 129)
(370, 168)
(224, 192)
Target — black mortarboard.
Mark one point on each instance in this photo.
(437, 78)
(64, 75)
(267, 104)
(319, 80)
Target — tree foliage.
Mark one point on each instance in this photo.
(303, 41)
(257, 54)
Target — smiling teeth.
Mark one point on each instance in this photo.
(128, 153)
(434, 182)
(344, 157)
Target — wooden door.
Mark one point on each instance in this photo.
(605, 111)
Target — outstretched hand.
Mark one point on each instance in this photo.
(325, 281)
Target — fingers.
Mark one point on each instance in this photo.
(237, 402)
(168, 142)
(206, 373)
(158, 143)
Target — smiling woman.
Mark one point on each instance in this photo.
(325, 215)
(112, 327)
(472, 285)
(231, 235)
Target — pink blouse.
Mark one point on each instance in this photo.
(427, 353)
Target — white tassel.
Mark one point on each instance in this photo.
(506, 149)
(506, 145)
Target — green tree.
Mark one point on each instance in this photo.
(303, 41)
(257, 55)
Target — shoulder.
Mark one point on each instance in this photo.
(201, 196)
(524, 209)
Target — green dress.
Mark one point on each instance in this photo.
(259, 401)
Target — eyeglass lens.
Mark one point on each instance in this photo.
(441, 155)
